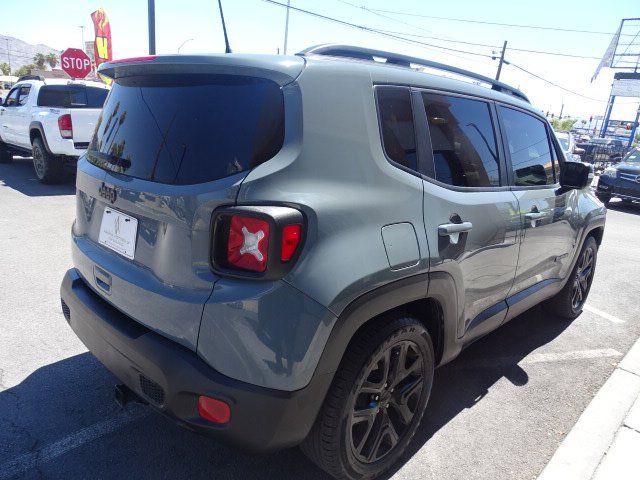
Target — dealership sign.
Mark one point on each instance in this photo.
(75, 63)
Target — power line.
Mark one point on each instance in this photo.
(482, 22)
(373, 30)
(542, 52)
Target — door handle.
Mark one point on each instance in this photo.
(453, 230)
(534, 215)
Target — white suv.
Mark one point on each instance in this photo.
(51, 120)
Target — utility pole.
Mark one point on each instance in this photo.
(9, 56)
(561, 110)
(286, 27)
(152, 26)
(504, 48)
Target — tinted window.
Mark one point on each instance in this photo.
(529, 147)
(24, 94)
(396, 125)
(71, 96)
(188, 129)
(463, 141)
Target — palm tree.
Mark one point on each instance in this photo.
(52, 60)
(39, 59)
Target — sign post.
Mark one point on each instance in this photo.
(75, 63)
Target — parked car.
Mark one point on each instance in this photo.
(280, 250)
(568, 145)
(602, 151)
(50, 120)
(621, 180)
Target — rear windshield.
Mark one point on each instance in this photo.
(71, 96)
(187, 129)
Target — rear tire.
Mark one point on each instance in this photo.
(569, 301)
(5, 155)
(376, 401)
(48, 167)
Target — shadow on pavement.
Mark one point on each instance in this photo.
(20, 176)
(57, 408)
(626, 207)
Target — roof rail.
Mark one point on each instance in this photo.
(361, 53)
(31, 77)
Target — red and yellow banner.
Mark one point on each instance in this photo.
(102, 45)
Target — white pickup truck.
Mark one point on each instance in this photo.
(50, 120)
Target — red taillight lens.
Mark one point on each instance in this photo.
(214, 410)
(290, 240)
(65, 126)
(248, 243)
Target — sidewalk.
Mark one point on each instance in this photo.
(604, 444)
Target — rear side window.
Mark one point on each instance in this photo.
(396, 125)
(529, 146)
(188, 129)
(463, 141)
(71, 96)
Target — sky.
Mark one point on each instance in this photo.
(255, 26)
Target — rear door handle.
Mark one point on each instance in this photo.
(453, 230)
(534, 215)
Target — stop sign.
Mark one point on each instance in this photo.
(75, 62)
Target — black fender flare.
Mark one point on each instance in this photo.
(37, 126)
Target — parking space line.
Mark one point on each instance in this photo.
(30, 460)
(602, 314)
(535, 358)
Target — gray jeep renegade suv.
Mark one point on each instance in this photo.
(280, 250)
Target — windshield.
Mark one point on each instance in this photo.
(564, 142)
(188, 129)
(633, 156)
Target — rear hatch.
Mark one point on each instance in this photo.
(176, 138)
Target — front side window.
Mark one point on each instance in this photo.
(23, 95)
(12, 98)
(463, 141)
(529, 147)
(396, 125)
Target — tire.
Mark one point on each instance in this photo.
(362, 430)
(569, 301)
(606, 199)
(48, 167)
(5, 155)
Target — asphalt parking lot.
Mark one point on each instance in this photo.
(499, 411)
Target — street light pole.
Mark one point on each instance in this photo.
(81, 27)
(286, 27)
(182, 44)
(152, 26)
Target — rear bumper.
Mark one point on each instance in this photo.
(171, 377)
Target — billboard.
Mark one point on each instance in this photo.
(626, 84)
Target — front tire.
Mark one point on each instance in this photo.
(376, 401)
(48, 167)
(569, 301)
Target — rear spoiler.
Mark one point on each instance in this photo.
(279, 69)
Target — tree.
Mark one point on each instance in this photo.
(25, 70)
(5, 69)
(562, 125)
(52, 60)
(39, 59)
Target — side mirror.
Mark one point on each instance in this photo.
(576, 175)
(579, 151)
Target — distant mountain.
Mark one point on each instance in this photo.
(21, 53)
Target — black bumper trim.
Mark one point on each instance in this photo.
(262, 419)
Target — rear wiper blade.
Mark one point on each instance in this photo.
(111, 159)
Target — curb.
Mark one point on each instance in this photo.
(580, 453)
